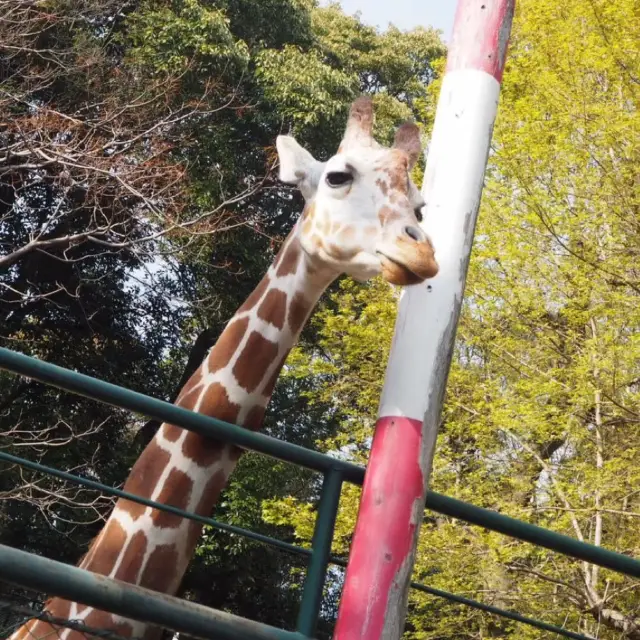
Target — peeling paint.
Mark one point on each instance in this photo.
(398, 597)
(505, 31)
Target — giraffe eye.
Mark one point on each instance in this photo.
(338, 178)
(418, 212)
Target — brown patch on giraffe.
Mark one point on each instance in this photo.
(176, 492)
(348, 234)
(35, 629)
(311, 268)
(190, 399)
(340, 253)
(323, 226)
(216, 404)
(58, 607)
(255, 295)
(25, 630)
(318, 272)
(85, 560)
(160, 571)
(254, 418)
(112, 540)
(187, 399)
(382, 184)
(144, 477)
(257, 355)
(271, 382)
(371, 233)
(132, 559)
(235, 453)
(227, 345)
(307, 221)
(309, 211)
(290, 258)
(316, 243)
(211, 493)
(299, 309)
(62, 608)
(274, 308)
(171, 432)
(387, 214)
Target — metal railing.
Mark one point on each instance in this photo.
(34, 572)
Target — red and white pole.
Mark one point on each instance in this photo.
(374, 598)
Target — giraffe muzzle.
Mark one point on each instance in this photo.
(408, 260)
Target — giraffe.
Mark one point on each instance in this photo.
(360, 218)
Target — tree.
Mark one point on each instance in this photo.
(138, 211)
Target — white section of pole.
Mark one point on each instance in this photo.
(428, 314)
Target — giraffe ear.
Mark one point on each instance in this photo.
(298, 166)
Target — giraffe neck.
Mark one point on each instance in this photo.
(152, 548)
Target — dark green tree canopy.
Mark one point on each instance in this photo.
(138, 209)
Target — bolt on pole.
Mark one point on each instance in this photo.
(374, 597)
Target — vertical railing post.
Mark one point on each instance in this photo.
(321, 552)
(374, 598)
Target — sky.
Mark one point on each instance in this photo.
(405, 14)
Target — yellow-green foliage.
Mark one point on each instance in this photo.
(542, 417)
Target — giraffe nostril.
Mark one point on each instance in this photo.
(413, 233)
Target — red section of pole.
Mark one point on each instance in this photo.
(480, 36)
(374, 597)
(387, 522)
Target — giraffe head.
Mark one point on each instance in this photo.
(362, 209)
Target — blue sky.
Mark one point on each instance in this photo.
(405, 14)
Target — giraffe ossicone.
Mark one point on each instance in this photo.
(362, 219)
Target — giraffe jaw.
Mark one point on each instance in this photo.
(396, 273)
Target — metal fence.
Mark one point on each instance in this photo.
(34, 572)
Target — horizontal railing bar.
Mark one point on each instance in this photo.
(503, 613)
(78, 585)
(112, 394)
(532, 533)
(164, 411)
(106, 489)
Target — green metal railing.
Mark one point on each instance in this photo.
(34, 572)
